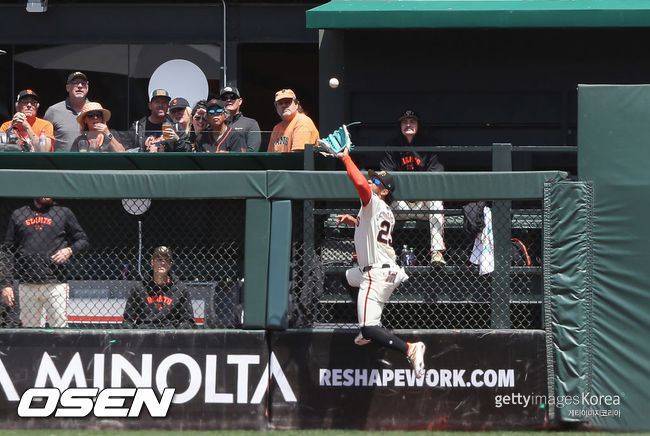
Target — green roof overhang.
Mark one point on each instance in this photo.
(361, 14)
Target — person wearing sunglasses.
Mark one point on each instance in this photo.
(377, 274)
(26, 126)
(218, 137)
(247, 126)
(410, 159)
(95, 134)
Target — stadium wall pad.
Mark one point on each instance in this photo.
(234, 366)
(293, 379)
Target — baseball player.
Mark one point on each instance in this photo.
(43, 236)
(377, 275)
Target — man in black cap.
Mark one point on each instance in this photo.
(247, 126)
(63, 115)
(161, 300)
(413, 160)
(147, 132)
(26, 128)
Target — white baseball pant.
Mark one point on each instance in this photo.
(436, 220)
(53, 297)
(376, 285)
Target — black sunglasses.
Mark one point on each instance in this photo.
(215, 111)
(94, 115)
(229, 97)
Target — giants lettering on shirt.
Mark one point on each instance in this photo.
(410, 162)
(159, 300)
(38, 222)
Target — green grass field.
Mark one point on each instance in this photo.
(300, 433)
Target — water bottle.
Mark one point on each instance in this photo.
(412, 260)
(406, 256)
(42, 141)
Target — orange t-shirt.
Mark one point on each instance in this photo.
(300, 131)
(38, 125)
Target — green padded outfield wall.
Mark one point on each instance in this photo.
(614, 153)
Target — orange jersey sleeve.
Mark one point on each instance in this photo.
(358, 180)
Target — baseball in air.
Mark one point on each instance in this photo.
(334, 82)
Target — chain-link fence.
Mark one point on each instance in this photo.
(470, 265)
(82, 263)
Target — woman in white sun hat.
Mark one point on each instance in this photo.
(95, 135)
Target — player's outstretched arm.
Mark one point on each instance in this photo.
(346, 219)
(359, 181)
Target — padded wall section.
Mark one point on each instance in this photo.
(568, 257)
(614, 152)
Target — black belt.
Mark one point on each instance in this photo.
(369, 267)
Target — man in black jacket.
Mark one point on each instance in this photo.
(161, 300)
(239, 123)
(147, 132)
(41, 237)
(413, 160)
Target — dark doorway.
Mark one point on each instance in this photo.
(266, 68)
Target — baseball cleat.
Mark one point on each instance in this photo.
(416, 357)
(360, 340)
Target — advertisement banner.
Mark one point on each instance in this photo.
(474, 380)
(135, 379)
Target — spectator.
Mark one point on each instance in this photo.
(199, 121)
(146, 132)
(161, 300)
(95, 135)
(27, 126)
(296, 129)
(63, 115)
(412, 160)
(180, 111)
(239, 123)
(42, 237)
(219, 138)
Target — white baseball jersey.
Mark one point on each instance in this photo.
(373, 238)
